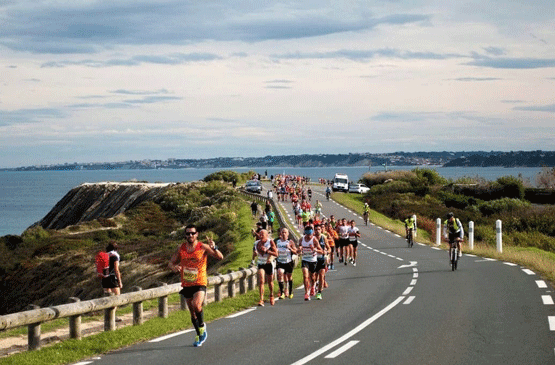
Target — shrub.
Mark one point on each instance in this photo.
(391, 187)
(371, 179)
(511, 187)
(502, 205)
(430, 176)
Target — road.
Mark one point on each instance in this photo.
(399, 305)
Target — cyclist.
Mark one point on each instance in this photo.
(454, 232)
(410, 228)
(366, 210)
(328, 192)
(309, 194)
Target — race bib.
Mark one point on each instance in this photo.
(282, 255)
(308, 253)
(189, 274)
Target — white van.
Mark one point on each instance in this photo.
(340, 182)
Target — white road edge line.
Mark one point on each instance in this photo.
(413, 282)
(163, 338)
(342, 349)
(528, 272)
(241, 313)
(551, 320)
(547, 300)
(409, 300)
(351, 333)
(541, 284)
(408, 290)
(83, 363)
(510, 264)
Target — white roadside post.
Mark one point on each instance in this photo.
(415, 225)
(438, 231)
(471, 235)
(499, 236)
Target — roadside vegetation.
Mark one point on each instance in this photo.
(528, 229)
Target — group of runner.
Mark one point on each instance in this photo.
(316, 249)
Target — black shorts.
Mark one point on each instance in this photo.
(320, 264)
(454, 236)
(343, 242)
(110, 282)
(189, 291)
(311, 266)
(268, 268)
(354, 243)
(287, 267)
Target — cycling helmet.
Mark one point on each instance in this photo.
(450, 215)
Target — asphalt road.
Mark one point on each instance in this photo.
(399, 305)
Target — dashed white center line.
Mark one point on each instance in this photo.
(409, 300)
(470, 255)
(436, 248)
(398, 258)
(414, 269)
(541, 284)
(413, 282)
(551, 320)
(415, 275)
(528, 272)
(510, 264)
(397, 235)
(342, 349)
(408, 290)
(547, 300)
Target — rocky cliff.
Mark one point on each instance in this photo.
(99, 200)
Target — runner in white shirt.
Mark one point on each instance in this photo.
(310, 248)
(266, 250)
(354, 234)
(343, 232)
(285, 248)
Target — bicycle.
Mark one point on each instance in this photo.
(365, 216)
(410, 237)
(327, 195)
(453, 255)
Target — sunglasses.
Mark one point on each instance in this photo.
(190, 233)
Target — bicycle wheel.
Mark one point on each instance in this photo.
(453, 259)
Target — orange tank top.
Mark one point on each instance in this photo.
(193, 266)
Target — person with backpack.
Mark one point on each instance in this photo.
(111, 278)
(453, 231)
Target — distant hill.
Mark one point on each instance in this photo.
(505, 159)
(445, 158)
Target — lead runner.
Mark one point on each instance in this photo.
(190, 260)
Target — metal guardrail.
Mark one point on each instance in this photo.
(33, 318)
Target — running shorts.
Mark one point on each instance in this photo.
(287, 267)
(268, 268)
(311, 266)
(189, 291)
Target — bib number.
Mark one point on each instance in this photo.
(189, 275)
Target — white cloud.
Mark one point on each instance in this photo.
(117, 80)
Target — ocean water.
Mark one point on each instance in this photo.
(26, 197)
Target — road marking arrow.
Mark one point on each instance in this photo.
(412, 263)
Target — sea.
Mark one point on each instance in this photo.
(26, 197)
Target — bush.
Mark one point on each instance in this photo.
(391, 187)
(378, 178)
(511, 187)
(430, 176)
(505, 205)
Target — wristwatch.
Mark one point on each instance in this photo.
(215, 247)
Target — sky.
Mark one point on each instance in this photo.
(106, 81)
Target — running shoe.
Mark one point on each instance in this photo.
(319, 296)
(282, 296)
(197, 342)
(332, 266)
(345, 262)
(306, 297)
(203, 335)
(272, 301)
(261, 303)
(354, 263)
(290, 296)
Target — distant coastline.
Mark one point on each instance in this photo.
(445, 159)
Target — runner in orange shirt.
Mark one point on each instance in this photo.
(190, 260)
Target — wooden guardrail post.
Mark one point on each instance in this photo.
(138, 317)
(230, 285)
(33, 332)
(75, 322)
(163, 305)
(243, 281)
(251, 281)
(218, 289)
(110, 319)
